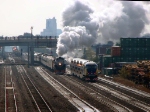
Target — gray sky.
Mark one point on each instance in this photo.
(17, 16)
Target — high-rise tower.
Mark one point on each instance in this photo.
(51, 28)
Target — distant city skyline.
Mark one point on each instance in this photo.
(17, 16)
(51, 28)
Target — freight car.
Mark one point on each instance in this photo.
(57, 65)
(84, 69)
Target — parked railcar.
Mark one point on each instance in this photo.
(84, 69)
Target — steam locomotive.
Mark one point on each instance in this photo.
(84, 69)
(57, 65)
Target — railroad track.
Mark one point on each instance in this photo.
(38, 99)
(10, 96)
(67, 93)
(125, 98)
(136, 98)
(117, 107)
(137, 94)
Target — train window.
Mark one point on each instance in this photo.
(91, 66)
(80, 62)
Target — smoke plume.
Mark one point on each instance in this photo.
(80, 29)
(84, 26)
(130, 23)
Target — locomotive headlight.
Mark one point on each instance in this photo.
(59, 64)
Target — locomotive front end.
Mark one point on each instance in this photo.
(60, 65)
(91, 71)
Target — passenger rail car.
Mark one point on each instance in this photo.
(37, 57)
(47, 61)
(84, 69)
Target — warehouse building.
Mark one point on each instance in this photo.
(130, 50)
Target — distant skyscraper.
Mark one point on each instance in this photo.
(51, 28)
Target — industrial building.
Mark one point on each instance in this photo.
(130, 50)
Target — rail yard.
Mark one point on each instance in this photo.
(88, 56)
(37, 88)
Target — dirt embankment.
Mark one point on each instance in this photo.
(130, 84)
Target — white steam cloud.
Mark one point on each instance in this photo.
(80, 29)
(130, 23)
(84, 26)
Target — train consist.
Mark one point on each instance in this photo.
(84, 69)
(57, 65)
